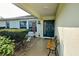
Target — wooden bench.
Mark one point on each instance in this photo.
(52, 46)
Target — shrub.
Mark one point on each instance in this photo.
(14, 34)
(6, 46)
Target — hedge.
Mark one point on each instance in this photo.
(14, 34)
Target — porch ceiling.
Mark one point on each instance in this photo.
(40, 10)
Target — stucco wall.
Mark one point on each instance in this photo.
(40, 28)
(67, 30)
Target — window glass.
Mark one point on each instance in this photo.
(23, 24)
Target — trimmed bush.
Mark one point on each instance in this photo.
(6, 46)
(14, 34)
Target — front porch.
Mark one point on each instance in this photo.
(66, 17)
(37, 47)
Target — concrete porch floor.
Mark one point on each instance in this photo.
(36, 48)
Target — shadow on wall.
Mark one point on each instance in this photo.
(68, 37)
(67, 29)
(60, 47)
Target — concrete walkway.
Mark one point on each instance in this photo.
(36, 48)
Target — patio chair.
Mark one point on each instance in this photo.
(29, 36)
(52, 46)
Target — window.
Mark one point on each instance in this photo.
(23, 24)
(32, 26)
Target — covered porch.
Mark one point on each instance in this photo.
(54, 19)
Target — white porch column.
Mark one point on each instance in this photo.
(27, 25)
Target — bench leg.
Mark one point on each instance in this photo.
(49, 52)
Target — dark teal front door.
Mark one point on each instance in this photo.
(48, 28)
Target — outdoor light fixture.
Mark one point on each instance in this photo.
(39, 22)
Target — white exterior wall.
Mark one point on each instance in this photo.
(67, 30)
(40, 29)
(2, 24)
